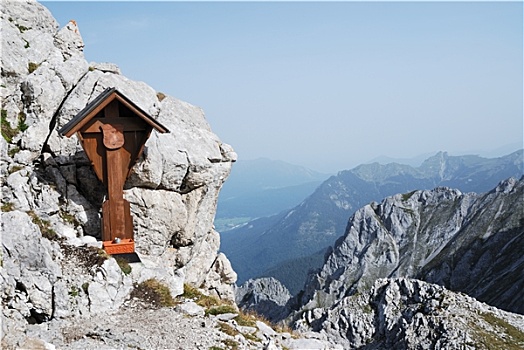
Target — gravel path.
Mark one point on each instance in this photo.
(183, 327)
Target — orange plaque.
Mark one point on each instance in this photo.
(124, 246)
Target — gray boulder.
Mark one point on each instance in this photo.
(266, 296)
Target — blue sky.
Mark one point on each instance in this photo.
(327, 85)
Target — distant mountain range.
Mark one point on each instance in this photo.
(270, 246)
(263, 187)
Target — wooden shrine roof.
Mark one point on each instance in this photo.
(98, 104)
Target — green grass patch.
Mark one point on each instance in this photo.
(124, 265)
(191, 292)
(7, 207)
(22, 126)
(22, 28)
(248, 319)
(11, 153)
(154, 293)
(200, 298)
(85, 287)
(367, 309)
(74, 292)
(407, 196)
(231, 344)
(13, 169)
(45, 227)
(506, 337)
(98, 255)
(227, 329)
(69, 218)
(252, 337)
(87, 257)
(8, 133)
(32, 66)
(208, 301)
(221, 309)
(214, 306)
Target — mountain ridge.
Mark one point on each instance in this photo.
(321, 218)
(441, 236)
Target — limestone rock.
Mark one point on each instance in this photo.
(48, 186)
(29, 267)
(437, 235)
(109, 288)
(411, 314)
(188, 328)
(106, 67)
(69, 40)
(312, 344)
(266, 296)
(191, 309)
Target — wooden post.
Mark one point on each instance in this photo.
(114, 210)
(115, 187)
(117, 221)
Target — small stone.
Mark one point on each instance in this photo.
(265, 329)
(191, 309)
(226, 316)
(88, 239)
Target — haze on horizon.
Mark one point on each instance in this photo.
(325, 85)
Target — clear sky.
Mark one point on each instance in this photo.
(327, 85)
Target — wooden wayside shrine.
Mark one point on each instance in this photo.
(113, 132)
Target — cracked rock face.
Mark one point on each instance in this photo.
(173, 188)
(442, 236)
(411, 314)
(266, 296)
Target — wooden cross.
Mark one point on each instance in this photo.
(113, 132)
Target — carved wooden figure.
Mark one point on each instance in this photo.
(113, 132)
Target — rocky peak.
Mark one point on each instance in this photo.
(409, 235)
(507, 186)
(365, 295)
(441, 166)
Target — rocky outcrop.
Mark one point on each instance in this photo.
(467, 242)
(29, 271)
(484, 259)
(411, 314)
(266, 296)
(51, 197)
